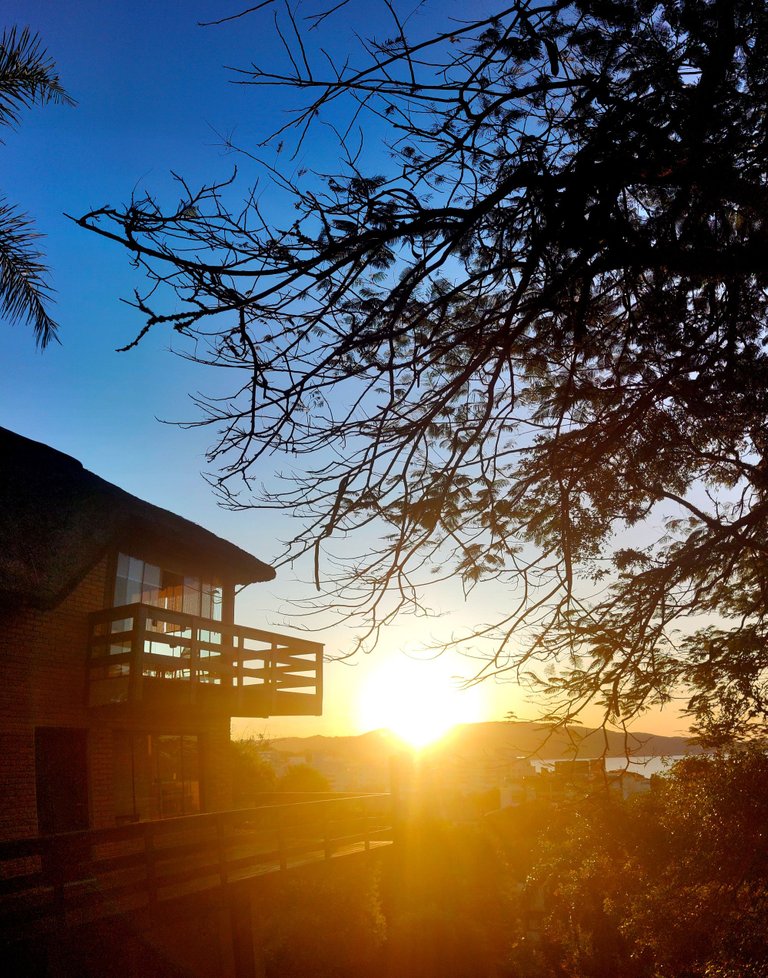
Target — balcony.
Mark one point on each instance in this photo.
(147, 659)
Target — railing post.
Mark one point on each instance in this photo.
(194, 660)
(238, 646)
(221, 849)
(319, 680)
(136, 677)
(326, 834)
(149, 855)
(271, 677)
(281, 849)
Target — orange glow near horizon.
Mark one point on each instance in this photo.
(416, 700)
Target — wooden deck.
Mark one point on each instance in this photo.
(143, 658)
(67, 880)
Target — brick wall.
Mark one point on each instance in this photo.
(18, 812)
(42, 683)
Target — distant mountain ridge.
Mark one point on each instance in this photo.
(514, 738)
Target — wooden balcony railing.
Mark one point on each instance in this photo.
(80, 876)
(142, 657)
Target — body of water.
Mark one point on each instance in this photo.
(645, 765)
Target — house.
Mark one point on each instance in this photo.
(121, 659)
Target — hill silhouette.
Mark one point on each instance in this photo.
(513, 738)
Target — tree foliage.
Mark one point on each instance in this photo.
(303, 777)
(27, 77)
(668, 884)
(251, 772)
(528, 347)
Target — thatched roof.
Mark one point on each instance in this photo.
(57, 520)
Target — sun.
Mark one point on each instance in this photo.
(416, 699)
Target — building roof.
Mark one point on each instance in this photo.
(57, 520)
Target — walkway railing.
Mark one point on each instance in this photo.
(79, 876)
(140, 655)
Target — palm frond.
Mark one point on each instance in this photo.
(23, 287)
(27, 75)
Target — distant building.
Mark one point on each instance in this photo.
(629, 783)
(581, 769)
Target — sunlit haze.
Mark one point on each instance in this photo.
(416, 700)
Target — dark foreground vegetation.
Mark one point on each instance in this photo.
(672, 883)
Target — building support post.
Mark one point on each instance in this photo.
(247, 964)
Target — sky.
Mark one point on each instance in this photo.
(155, 96)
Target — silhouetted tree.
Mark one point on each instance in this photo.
(528, 347)
(668, 884)
(27, 77)
(251, 773)
(302, 777)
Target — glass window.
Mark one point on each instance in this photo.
(151, 585)
(155, 775)
(128, 582)
(210, 603)
(139, 582)
(171, 592)
(192, 595)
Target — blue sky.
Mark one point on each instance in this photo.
(154, 96)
